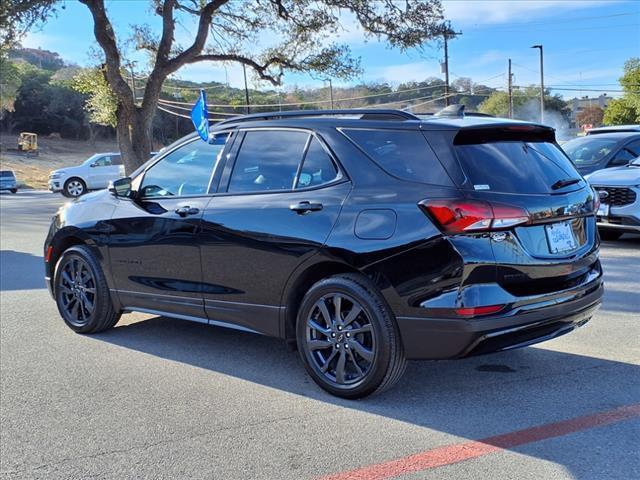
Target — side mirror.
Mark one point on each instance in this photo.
(619, 161)
(121, 187)
(93, 165)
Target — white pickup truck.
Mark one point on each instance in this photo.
(93, 174)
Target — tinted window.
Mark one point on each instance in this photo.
(634, 148)
(185, 171)
(317, 167)
(267, 160)
(586, 150)
(103, 161)
(6, 174)
(402, 153)
(116, 160)
(515, 167)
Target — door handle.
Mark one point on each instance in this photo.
(305, 207)
(185, 211)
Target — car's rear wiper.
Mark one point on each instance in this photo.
(565, 182)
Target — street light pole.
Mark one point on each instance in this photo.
(541, 82)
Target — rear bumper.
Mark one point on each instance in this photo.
(548, 317)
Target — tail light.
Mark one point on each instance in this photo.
(462, 216)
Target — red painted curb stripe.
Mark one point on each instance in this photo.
(449, 454)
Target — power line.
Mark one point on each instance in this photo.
(484, 26)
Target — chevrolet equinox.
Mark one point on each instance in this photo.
(362, 237)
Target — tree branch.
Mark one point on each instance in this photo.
(168, 26)
(103, 31)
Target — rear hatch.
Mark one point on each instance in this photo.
(542, 227)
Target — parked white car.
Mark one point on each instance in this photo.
(93, 174)
(619, 191)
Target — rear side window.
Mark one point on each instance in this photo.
(516, 167)
(405, 154)
(6, 174)
(267, 160)
(317, 167)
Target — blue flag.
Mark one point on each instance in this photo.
(200, 117)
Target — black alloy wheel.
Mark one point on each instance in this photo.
(348, 338)
(340, 338)
(81, 292)
(77, 289)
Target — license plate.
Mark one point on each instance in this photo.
(603, 210)
(560, 237)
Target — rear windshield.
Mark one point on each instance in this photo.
(405, 154)
(587, 150)
(6, 174)
(517, 167)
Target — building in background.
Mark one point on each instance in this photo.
(577, 105)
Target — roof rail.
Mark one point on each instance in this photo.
(365, 114)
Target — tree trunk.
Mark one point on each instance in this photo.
(134, 137)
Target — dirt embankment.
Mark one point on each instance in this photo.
(54, 153)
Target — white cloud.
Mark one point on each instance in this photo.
(469, 12)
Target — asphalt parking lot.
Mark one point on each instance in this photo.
(163, 398)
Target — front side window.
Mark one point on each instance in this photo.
(103, 161)
(267, 161)
(317, 167)
(185, 171)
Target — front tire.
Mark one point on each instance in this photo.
(81, 292)
(610, 234)
(74, 187)
(348, 338)
(14, 190)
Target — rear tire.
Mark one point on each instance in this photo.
(14, 190)
(81, 292)
(74, 187)
(348, 338)
(610, 234)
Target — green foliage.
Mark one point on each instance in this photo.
(18, 16)
(621, 111)
(46, 107)
(626, 109)
(101, 103)
(526, 104)
(10, 81)
(44, 59)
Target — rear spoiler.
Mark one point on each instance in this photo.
(504, 133)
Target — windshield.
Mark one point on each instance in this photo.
(587, 150)
(518, 167)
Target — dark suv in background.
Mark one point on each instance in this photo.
(603, 150)
(363, 237)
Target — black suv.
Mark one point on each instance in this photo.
(363, 237)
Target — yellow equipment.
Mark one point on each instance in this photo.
(28, 142)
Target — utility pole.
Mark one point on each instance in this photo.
(510, 91)
(246, 89)
(541, 82)
(330, 91)
(448, 33)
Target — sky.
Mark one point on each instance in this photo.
(586, 43)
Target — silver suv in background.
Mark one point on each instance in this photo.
(619, 191)
(93, 174)
(8, 181)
